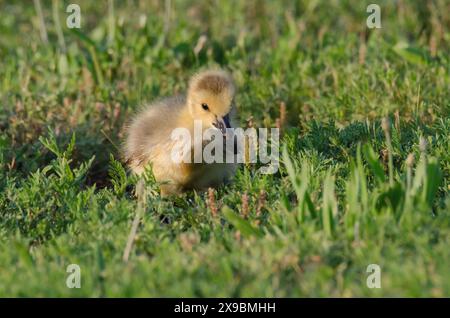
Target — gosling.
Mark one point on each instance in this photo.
(210, 100)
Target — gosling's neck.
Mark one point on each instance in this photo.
(185, 119)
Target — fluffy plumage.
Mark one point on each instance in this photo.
(209, 98)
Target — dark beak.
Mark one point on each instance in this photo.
(223, 124)
(226, 120)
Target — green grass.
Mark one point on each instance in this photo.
(345, 195)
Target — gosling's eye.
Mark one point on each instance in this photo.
(205, 106)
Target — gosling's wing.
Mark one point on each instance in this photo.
(150, 128)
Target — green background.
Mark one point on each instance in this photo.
(344, 196)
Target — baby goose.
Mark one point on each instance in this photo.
(209, 99)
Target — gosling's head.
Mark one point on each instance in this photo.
(210, 98)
